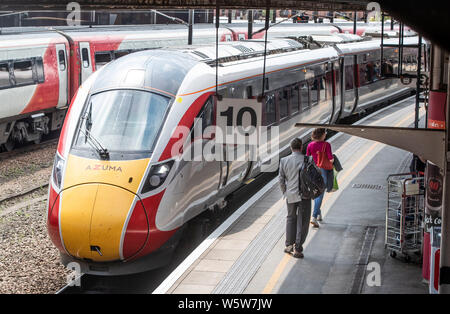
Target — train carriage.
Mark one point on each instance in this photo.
(33, 86)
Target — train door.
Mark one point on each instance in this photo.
(62, 74)
(234, 115)
(204, 171)
(335, 83)
(86, 61)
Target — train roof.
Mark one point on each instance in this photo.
(244, 49)
(163, 70)
(150, 69)
(374, 44)
(34, 39)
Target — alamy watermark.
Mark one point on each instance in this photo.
(374, 9)
(373, 278)
(74, 17)
(74, 277)
(234, 143)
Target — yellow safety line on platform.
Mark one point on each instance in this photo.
(284, 262)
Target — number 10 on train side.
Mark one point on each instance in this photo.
(238, 121)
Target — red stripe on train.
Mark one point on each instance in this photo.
(186, 121)
(156, 237)
(53, 218)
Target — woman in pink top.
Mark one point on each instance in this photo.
(317, 145)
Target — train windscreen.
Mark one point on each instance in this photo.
(121, 121)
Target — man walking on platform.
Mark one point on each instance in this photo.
(298, 209)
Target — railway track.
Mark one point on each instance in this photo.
(28, 148)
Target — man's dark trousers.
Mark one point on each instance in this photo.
(297, 223)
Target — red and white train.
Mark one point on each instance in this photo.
(40, 72)
(121, 187)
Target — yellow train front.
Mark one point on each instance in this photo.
(112, 167)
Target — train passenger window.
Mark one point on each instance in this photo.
(227, 37)
(337, 80)
(39, 70)
(367, 73)
(241, 36)
(283, 103)
(23, 72)
(102, 58)
(322, 89)
(85, 57)
(376, 71)
(304, 97)
(314, 86)
(249, 91)
(388, 67)
(293, 99)
(62, 60)
(329, 85)
(4, 75)
(270, 109)
(349, 77)
(362, 74)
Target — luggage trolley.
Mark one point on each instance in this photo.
(404, 214)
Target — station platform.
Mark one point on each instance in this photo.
(245, 254)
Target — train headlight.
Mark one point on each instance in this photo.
(157, 176)
(58, 167)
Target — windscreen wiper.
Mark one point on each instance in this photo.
(103, 152)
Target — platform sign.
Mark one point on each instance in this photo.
(238, 121)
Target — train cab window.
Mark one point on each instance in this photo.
(4, 75)
(23, 72)
(123, 121)
(241, 36)
(208, 114)
(227, 37)
(294, 99)
(85, 57)
(304, 96)
(270, 109)
(102, 58)
(314, 88)
(283, 103)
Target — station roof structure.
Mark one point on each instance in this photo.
(341, 5)
(427, 17)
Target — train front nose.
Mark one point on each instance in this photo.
(93, 222)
